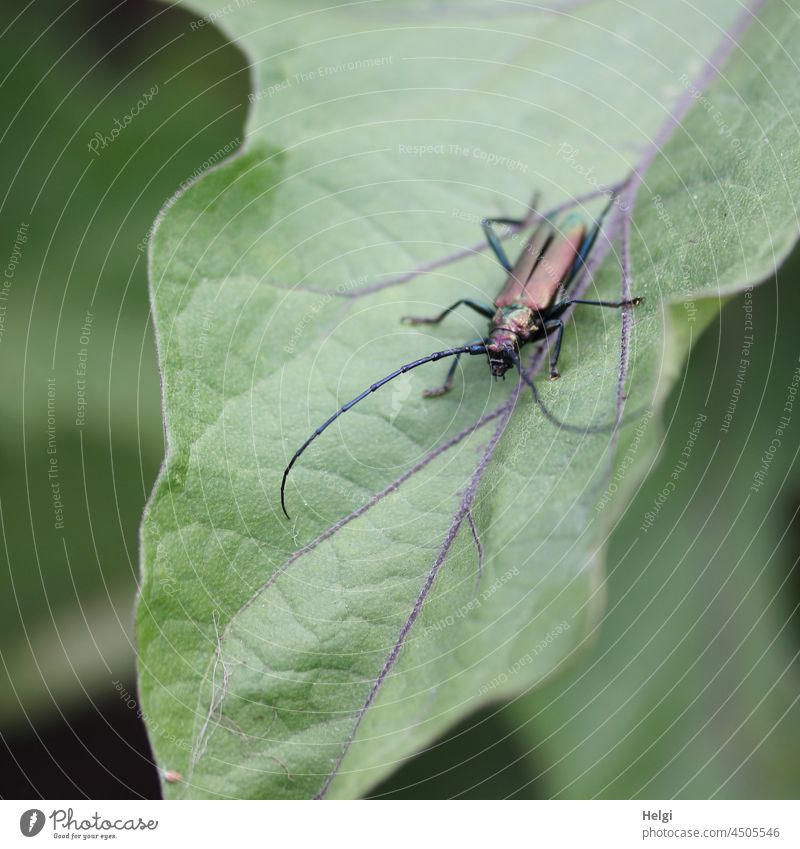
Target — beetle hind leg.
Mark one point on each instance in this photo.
(494, 240)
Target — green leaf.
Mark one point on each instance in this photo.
(297, 659)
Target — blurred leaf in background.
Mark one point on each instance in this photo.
(109, 108)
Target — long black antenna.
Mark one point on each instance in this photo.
(477, 348)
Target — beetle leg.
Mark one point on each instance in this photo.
(588, 243)
(493, 239)
(436, 391)
(448, 382)
(557, 325)
(561, 306)
(484, 309)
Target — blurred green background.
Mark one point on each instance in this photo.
(66, 635)
(690, 687)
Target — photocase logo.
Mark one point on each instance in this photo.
(31, 822)
(400, 392)
(67, 826)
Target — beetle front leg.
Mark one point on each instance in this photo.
(436, 391)
(557, 325)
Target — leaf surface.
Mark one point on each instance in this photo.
(443, 552)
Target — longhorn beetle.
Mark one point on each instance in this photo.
(528, 309)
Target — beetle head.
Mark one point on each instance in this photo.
(500, 358)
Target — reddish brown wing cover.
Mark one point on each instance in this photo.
(542, 266)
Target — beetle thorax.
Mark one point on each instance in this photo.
(515, 318)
